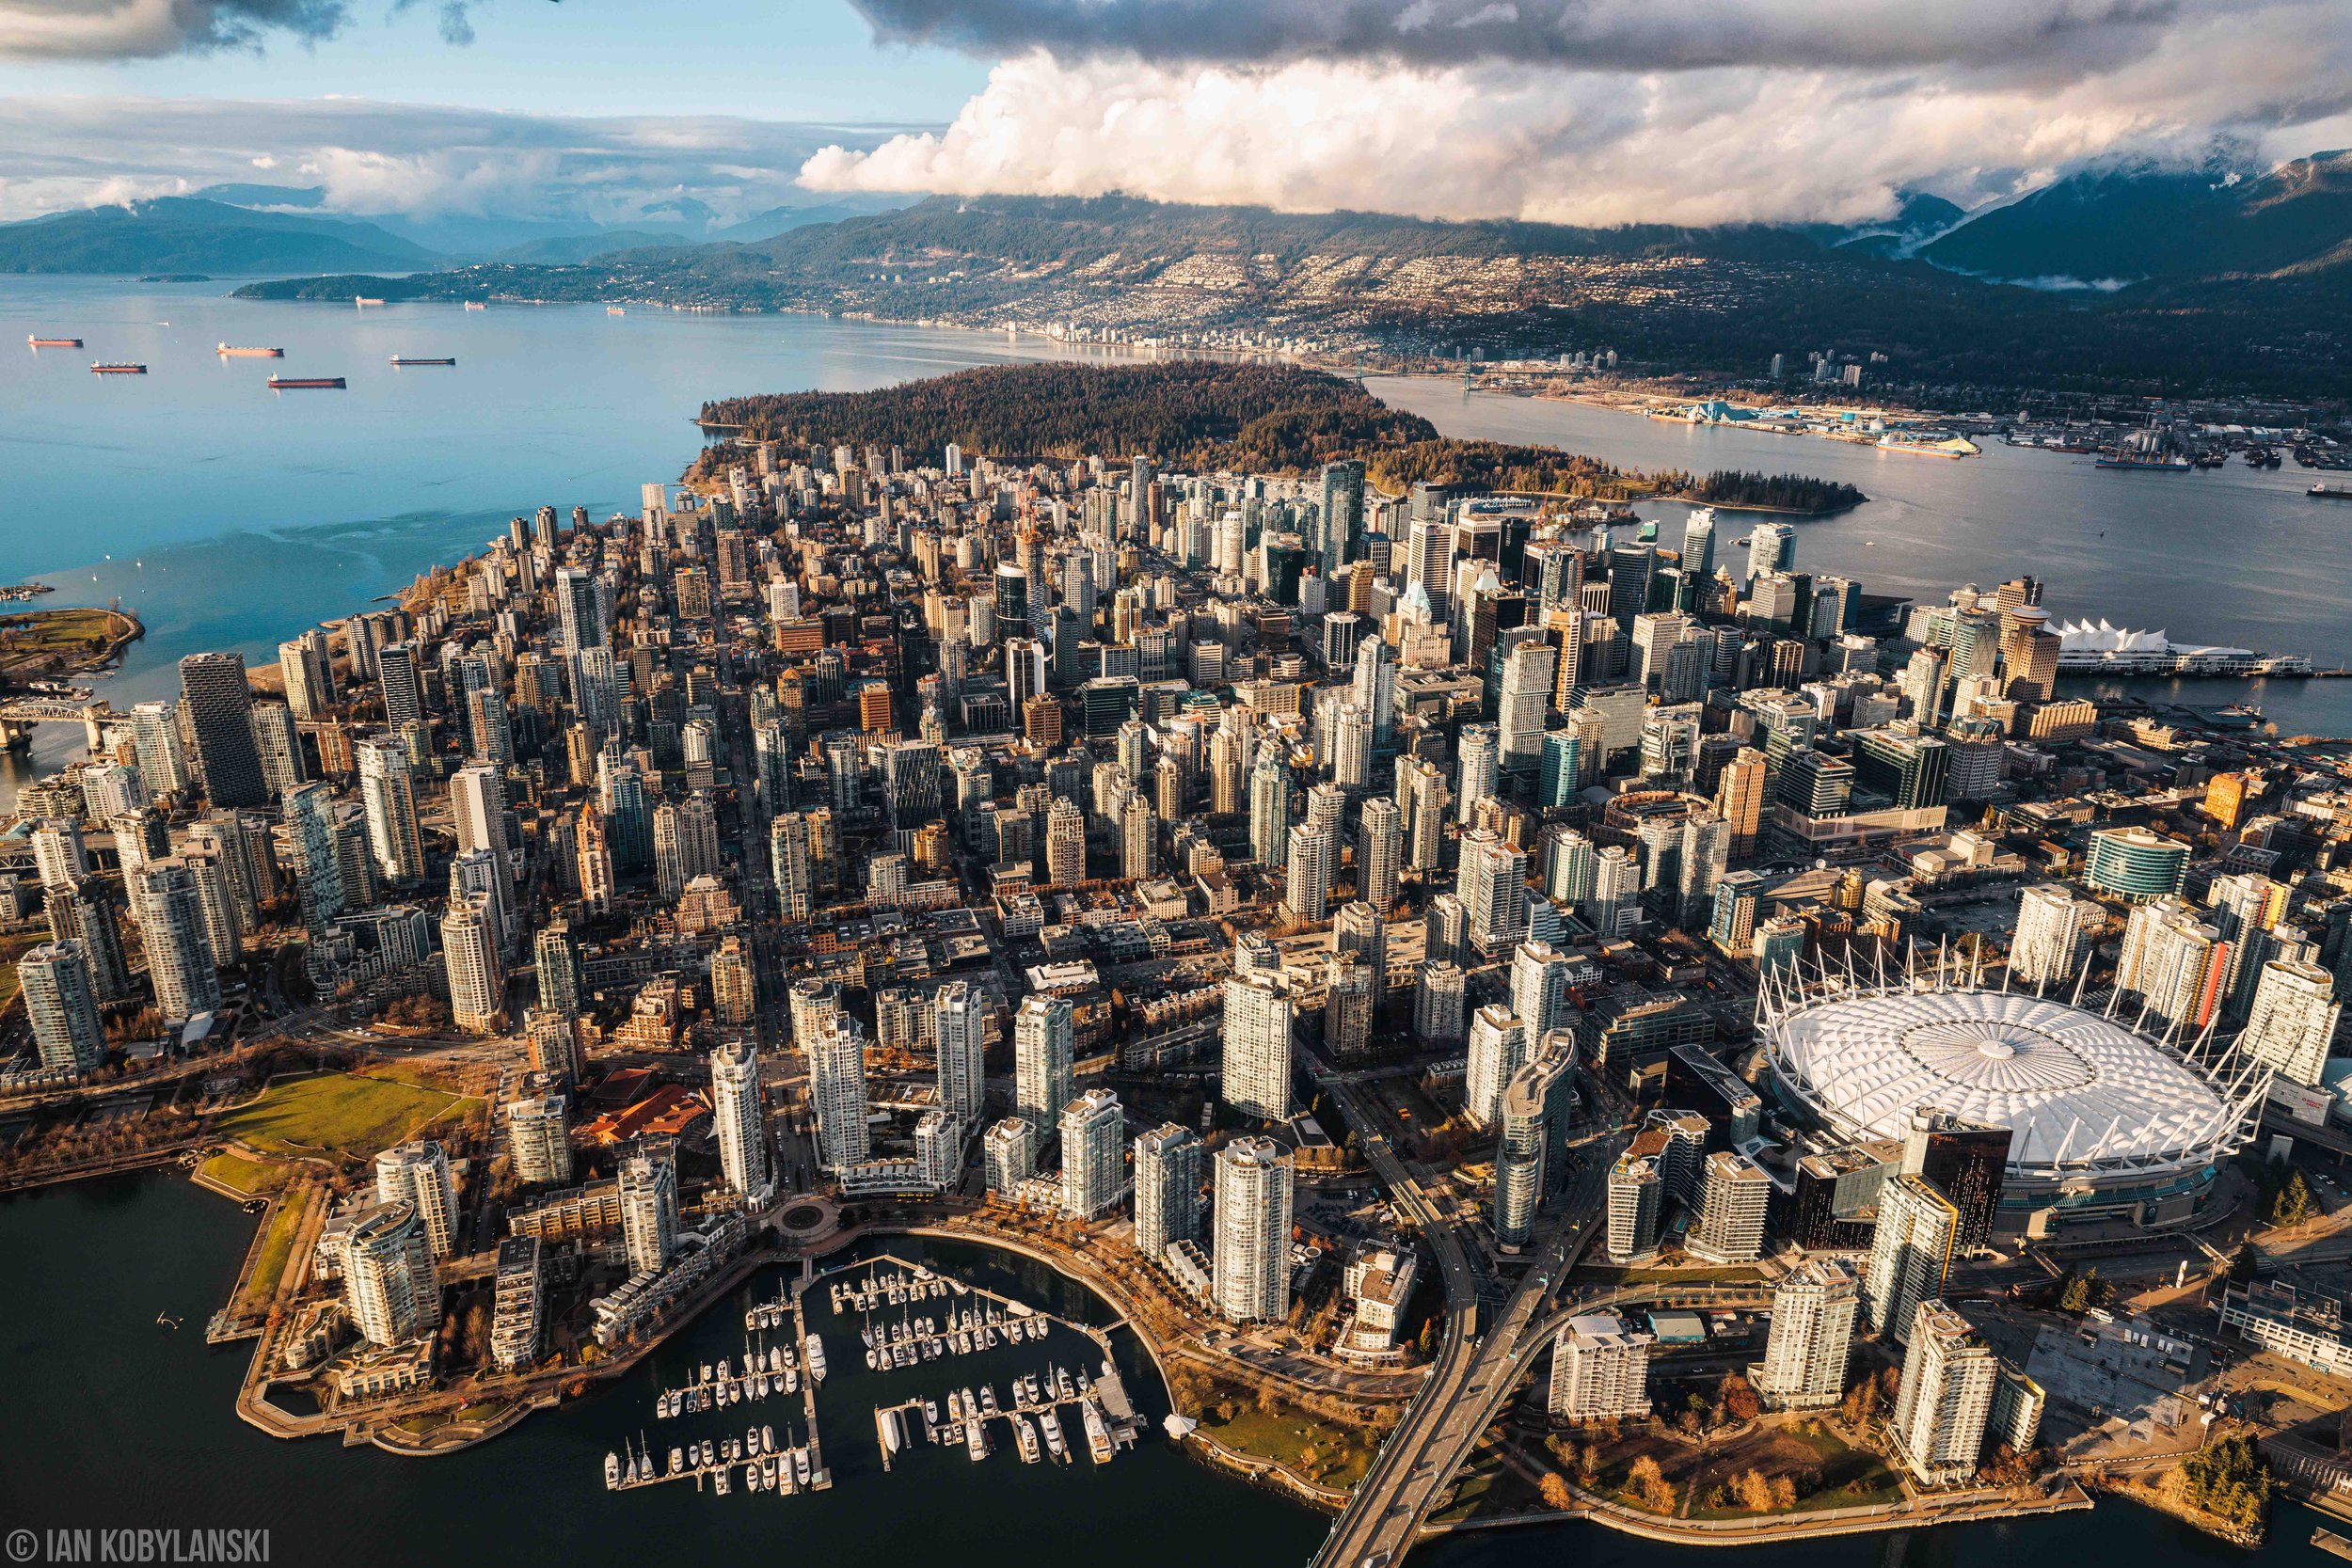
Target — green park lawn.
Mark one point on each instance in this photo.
(346, 1113)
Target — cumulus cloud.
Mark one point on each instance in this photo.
(135, 29)
(1598, 111)
(395, 158)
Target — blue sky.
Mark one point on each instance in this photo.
(770, 60)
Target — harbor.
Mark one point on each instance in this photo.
(906, 1316)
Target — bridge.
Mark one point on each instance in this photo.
(21, 712)
(1475, 1375)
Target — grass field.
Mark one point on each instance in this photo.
(276, 1251)
(1323, 1452)
(234, 1171)
(344, 1114)
(32, 639)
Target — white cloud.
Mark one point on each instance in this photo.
(1693, 143)
(417, 160)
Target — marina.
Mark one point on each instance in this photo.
(1047, 1415)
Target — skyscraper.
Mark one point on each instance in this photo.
(958, 1015)
(1169, 1161)
(1093, 1154)
(1910, 1250)
(1256, 1045)
(388, 789)
(477, 972)
(738, 1117)
(1945, 1396)
(170, 914)
(2047, 948)
(1500, 1045)
(390, 1287)
(1812, 1336)
(1250, 1272)
(648, 1183)
(1044, 1060)
(217, 705)
(1269, 805)
(1636, 1194)
(419, 1173)
(2293, 1021)
(61, 1003)
(836, 1067)
(539, 1136)
(1733, 1195)
(1307, 887)
(1347, 1006)
(1968, 1161)
(1379, 852)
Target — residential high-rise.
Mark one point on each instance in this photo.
(1307, 887)
(1250, 1261)
(1009, 1151)
(477, 970)
(477, 808)
(1379, 852)
(1491, 884)
(1478, 765)
(959, 1016)
(217, 704)
(836, 1067)
(1599, 1371)
(1740, 800)
(163, 753)
(1349, 990)
(1910, 1251)
(1438, 999)
(419, 1173)
(390, 1287)
(1945, 1396)
(740, 1118)
(310, 844)
(648, 1192)
(1169, 1161)
(170, 913)
(562, 982)
(1093, 1154)
(1734, 1195)
(1535, 1106)
(388, 788)
(402, 682)
(1500, 1045)
(1044, 1060)
(1539, 987)
(1637, 1190)
(1256, 1045)
(2293, 1022)
(2047, 949)
(538, 1135)
(1065, 844)
(61, 1003)
(788, 866)
(1812, 1336)
(1269, 805)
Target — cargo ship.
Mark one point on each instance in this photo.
(55, 342)
(614, 311)
(303, 383)
(2144, 462)
(362, 299)
(230, 351)
(103, 367)
(477, 305)
(2331, 491)
(408, 359)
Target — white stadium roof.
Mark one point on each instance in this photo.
(2079, 1091)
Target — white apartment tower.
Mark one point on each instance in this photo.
(1910, 1250)
(1044, 1060)
(1093, 1154)
(1599, 1371)
(836, 1071)
(1251, 1266)
(419, 1173)
(740, 1118)
(1257, 1041)
(1814, 1308)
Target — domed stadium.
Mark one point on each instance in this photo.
(2103, 1117)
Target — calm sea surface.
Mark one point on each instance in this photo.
(109, 1421)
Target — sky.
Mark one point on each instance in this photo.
(1583, 111)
